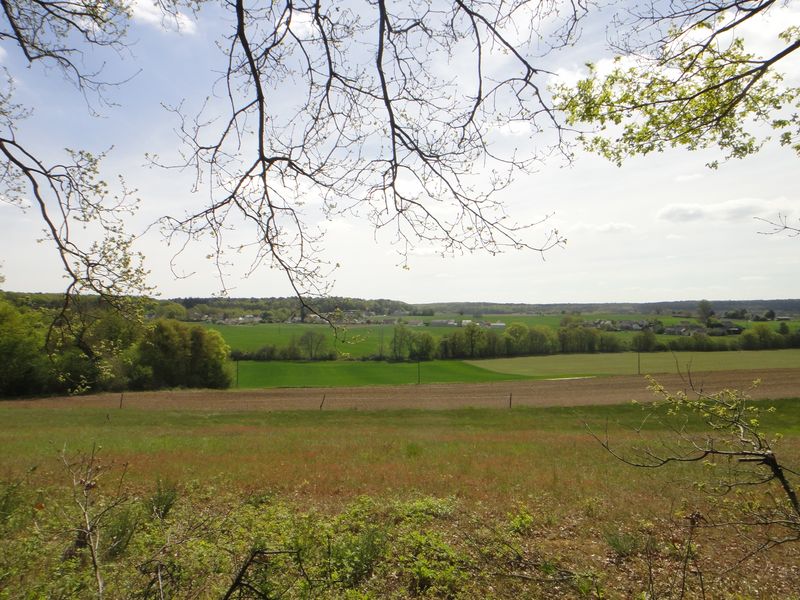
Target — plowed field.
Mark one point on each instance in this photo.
(775, 383)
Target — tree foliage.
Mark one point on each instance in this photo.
(313, 343)
(100, 349)
(23, 366)
(577, 339)
(173, 354)
(686, 75)
(423, 346)
(644, 341)
(704, 311)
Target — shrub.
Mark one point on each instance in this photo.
(119, 531)
(520, 522)
(432, 566)
(354, 556)
(163, 499)
(623, 544)
(10, 500)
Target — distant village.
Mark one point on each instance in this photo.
(686, 327)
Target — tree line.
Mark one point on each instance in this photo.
(94, 347)
(278, 310)
(518, 339)
(311, 345)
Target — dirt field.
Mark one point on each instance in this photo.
(775, 383)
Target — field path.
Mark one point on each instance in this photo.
(776, 383)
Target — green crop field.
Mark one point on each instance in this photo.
(356, 373)
(627, 363)
(357, 341)
(254, 374)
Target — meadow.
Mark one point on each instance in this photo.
(464, 503)
(631, 363)
(254, 374)
(483, 455)
(351, 341)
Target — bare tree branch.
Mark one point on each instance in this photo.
(332, 112)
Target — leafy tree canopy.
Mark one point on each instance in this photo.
(689, 74)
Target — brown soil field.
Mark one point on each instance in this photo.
(775, 383)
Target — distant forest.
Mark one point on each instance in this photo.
(285, 308)
(789, 306)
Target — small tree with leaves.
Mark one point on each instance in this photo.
(749, 488)
(704, 311)
(313, 343)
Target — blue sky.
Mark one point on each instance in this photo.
(661, 227)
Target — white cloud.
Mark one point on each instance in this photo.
(765, 29)
(3, 54)
(613, 227)
(729, 210)
(603, 68)
(568, 77)
(337, 226)
(760, 34)
(424, 251)
(681, 213)
(14, 203)
(687, 177)
(147, 12)
(515, 128)
(302, 24)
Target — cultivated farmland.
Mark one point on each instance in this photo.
(270, 374)
(775, 383)
(645, 363)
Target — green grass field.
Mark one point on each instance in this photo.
(627, 363)
(357, 341)
(357, 373)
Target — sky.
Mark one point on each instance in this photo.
(661, 227)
